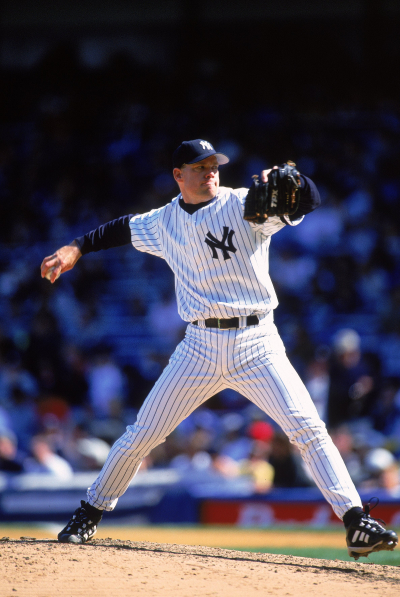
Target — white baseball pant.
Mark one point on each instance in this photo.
(252, 361)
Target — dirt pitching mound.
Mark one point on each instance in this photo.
(107, 567)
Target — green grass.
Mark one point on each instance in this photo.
(383, 558)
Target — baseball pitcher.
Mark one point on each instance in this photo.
(216, 241)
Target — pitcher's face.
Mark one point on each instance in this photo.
(198, 182)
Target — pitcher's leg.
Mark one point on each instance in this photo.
(186, 382)
(273, 385)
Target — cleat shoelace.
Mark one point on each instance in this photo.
(378, 522)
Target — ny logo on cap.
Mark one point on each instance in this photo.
(206, 145)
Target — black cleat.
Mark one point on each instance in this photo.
(82, 526)
(365, 535)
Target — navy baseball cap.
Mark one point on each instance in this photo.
(190, 152)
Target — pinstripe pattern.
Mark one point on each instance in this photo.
(250, 360)
(201, 281)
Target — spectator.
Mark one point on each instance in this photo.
(42, 356)
(351, 383)
(389, 480)
(82, 450)
(317, 382)
(258, 469)
(383, 471)
(75, 384)
(165, 323)
(344, 441)
(23, 417)
(45, 461)
(386, 412)
(9, 461)
(288, 469)
(256, 465)
(15, 378)
(106, 385)
(236, 443)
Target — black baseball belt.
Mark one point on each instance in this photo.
(224, 324)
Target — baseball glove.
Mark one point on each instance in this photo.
(279, 196)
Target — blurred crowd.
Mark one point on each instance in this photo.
(77, 358)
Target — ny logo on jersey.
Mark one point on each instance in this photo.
(215, 244)
(206, 145)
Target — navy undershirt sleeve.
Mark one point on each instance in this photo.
(112, 234)
(309, 198)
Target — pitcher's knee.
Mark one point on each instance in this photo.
(137, 441)
(309, 434)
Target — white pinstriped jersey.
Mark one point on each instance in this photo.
(220, 261)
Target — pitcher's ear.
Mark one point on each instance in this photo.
(177, 173)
